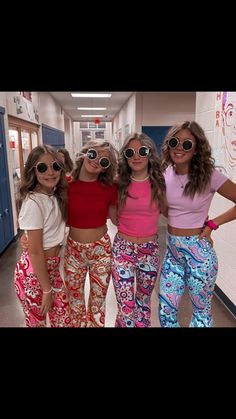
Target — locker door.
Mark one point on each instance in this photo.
(6, 221)
(52, 136)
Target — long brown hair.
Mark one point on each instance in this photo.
(106, 176)
(29, 181)
(202, 162)
(154, 170)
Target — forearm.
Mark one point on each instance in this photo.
(40, 269)
(226, 217)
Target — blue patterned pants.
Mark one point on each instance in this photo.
(134, 273)
(188, 262)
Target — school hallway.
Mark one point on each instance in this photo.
(11, 314)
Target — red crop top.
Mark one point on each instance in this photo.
(88, 203)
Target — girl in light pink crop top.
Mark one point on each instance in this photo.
(190, 260)
(135, 249)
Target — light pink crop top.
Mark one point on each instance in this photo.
(184, 211)
(139, 217)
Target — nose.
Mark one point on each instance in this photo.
(50, 170)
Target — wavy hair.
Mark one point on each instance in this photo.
(106, 176)
(202, 162)
(29, 181)
(157, 180)
(69, 165)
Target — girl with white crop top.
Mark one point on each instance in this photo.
(135, 248)
(190, 260)
(42, 204)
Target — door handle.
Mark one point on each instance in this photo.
(0, 215)
(6, 211)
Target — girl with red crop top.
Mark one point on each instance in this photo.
(42, 205)
(135, 248)
(190, 260)
(92, 198)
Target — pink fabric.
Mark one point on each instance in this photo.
(184, 211)
(139, 217)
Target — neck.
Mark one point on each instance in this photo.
(48, 192)
(181, 170)
(86, 176)
(139, 179)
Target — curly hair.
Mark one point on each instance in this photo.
(202, 162)
(157, 180)
(106, 176)
(29, 181)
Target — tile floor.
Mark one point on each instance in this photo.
(11, 314)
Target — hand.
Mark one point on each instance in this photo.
(24, 242)
(46, 303)
(206, 232)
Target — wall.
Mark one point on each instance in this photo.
(225, 237)
(155, 109)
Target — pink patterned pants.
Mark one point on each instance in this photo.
(29, 292)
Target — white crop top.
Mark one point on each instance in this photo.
(40, 211)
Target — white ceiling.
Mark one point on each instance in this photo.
(70, 104)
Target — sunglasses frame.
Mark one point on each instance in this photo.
(138, 151)
(182, 143)
(101, 158)
(47, 166)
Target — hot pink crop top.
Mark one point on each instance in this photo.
(184, 211)
(139, 217)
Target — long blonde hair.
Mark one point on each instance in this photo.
(106, 176)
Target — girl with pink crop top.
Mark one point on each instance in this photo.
(190, 260)
(135, 248)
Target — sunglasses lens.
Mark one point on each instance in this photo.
(56, 166)
(91, 154)
(41, 167)
(173, 142)
(104, 163)
(143, 151)
(129, 153)
(187, 145)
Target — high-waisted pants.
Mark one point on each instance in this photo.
(189, 262)
(94, 258)
(29, 292)
(134, 263)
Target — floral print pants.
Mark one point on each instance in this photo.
(94, 258)
(29, 292)
(134, 273)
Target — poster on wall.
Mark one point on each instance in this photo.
(224, 150)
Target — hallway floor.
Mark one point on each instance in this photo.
(11, 314)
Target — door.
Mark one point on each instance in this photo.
(157, 134)
(53, 137)
(6, 221)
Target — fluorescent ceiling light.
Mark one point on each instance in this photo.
(91, 94)
(92, 116)
(91, 109)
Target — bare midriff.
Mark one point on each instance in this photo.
(87, 235)
(53, 251)
(137, 240)
(184, 231)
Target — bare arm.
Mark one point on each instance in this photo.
(227, 190)
(37, 257)
(112, 214)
